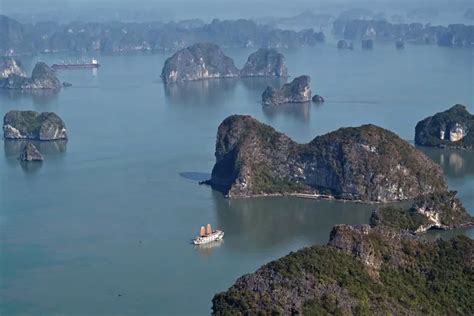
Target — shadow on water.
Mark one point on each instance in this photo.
(298, 111)
(195, 176)
(455, 163)
(254, 224)
(39, 97)
(31, 166)
(202, 92)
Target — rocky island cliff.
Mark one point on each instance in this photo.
(10, 66)
(33, 125)
(265, 62)
(42, 77)
(296, 91)
(363, 270)
(197, 62)
(366, 163)
(207, 61)
(452, 128)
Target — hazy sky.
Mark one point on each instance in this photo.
(66, 10)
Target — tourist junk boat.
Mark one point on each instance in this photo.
(207, 235)
(77, 65)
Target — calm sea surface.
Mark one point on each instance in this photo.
(103, 225)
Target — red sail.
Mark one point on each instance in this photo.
(202, 231)
(208, 229)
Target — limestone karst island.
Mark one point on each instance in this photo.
(213, 157)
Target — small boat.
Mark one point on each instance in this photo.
(77, 65)
(207, 235)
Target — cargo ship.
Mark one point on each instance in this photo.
(207, 235)
(77, 65)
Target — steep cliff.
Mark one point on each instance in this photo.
(451, 128)
(265, 62)
(365, 163)
(197, 62)
(33, 125)
(42, 77)
(296, 91)
(439, 211)
(361, 271)
(10, 66)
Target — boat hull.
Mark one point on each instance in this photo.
(78, 66)
(216, 235)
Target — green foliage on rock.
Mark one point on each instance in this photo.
(406, 276)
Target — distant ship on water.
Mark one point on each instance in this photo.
(77, 65)
(207, 235)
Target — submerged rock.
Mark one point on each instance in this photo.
(362, 270)
(366, 163)
(197, 62)
(344, 44)
(30, 153)
(42, 77)
(318, 99)
(451, 128)
(367, 44)
(33, 125)
(296, 91)
(265, 62)
(10, 66)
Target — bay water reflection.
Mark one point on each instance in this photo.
(112, 211)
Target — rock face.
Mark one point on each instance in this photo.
(367, 44)
(30, 153)
(363, 270)
(10, 66)
(265, 63)
(42, 77)
(296, 91)
(365, 163)
(33, 125)
(438, 211)
(451, 128)
(318, 99)
(197, 62)
(343, 44)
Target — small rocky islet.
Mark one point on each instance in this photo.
(13, 77)
(453, 128)
(33, 125)
(345, 44)
(265, 62)
(30, 153)
(366, 163)
(198, 62)
(296, 91)
(207, 61)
